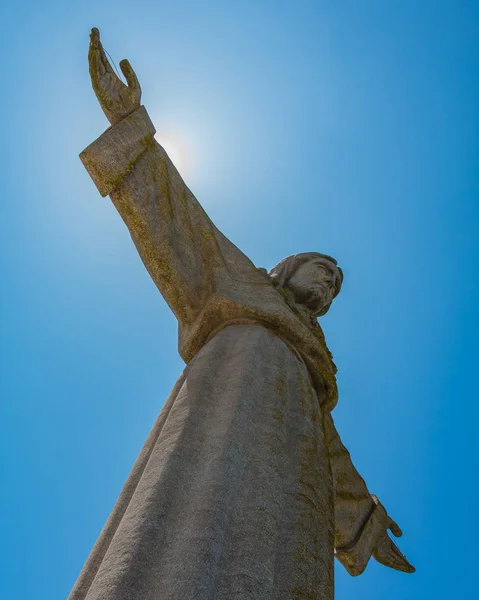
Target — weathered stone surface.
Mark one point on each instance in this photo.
(243, 488)
(225, 502)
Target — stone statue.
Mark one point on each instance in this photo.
(243, 488)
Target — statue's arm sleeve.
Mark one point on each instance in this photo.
(181, 248)
(359, 517)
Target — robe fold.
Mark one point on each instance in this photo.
(243, 488)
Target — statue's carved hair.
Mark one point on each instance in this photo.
(285, 269)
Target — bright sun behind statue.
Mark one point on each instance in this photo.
(174, 150)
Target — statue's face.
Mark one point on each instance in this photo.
(315, 283)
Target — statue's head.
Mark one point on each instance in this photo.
(314, 279)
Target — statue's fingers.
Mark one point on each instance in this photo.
(97, 51)
(94, 54)
(400, 562)
(95, 37)
(104, 60)
(409, 568)
(130, 75)
(97, 68)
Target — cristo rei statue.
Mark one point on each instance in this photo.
(243, 489)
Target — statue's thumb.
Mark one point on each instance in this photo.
(394, 527)
(129, 74)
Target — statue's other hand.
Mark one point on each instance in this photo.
(116, 99)
(387, 553)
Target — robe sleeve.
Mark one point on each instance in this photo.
(185, 254)
(360, 518)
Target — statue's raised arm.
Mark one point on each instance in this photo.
(185, 254)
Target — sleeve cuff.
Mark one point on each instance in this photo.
(111, 157)
(356, 555)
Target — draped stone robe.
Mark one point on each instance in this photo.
(243, 488)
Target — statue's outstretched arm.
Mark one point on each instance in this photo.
(361, 522)
(185, 254)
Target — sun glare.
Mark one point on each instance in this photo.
(173, 149)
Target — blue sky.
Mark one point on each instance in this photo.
(345, 127)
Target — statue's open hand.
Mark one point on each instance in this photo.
(387, 553)
(116, 99)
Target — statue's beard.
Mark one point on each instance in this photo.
(315, 298)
